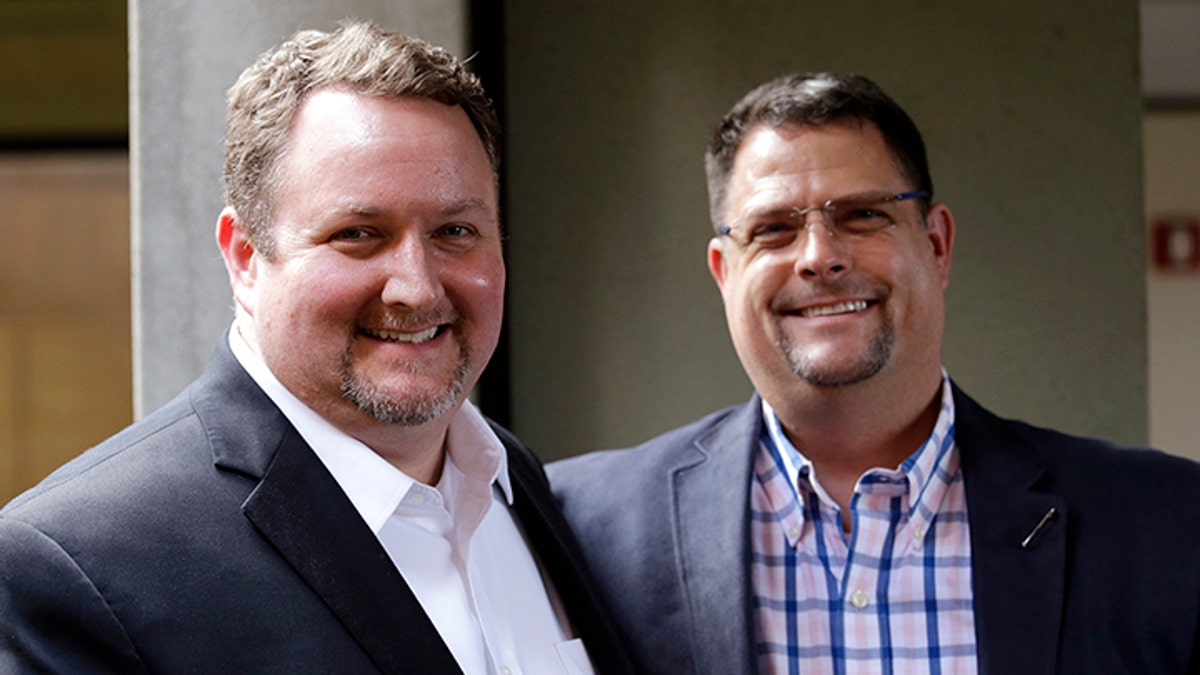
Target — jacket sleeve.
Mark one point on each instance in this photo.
(53, 619)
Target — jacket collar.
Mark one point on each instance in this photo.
(711, 498)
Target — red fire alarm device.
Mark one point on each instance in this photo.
(1175, 243)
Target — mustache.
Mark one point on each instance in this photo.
(795, 299)
(403, 321)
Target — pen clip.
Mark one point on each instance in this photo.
(1038, 528)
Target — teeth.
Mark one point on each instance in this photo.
(839, 308)
(396, 336)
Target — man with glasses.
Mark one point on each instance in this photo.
(861, 513)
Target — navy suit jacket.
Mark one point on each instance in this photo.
(1111, 584)
(208, 538)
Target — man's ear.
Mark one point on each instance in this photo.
(717, 264)
(940, 231)
(241, 260)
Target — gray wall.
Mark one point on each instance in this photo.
(1031, 112)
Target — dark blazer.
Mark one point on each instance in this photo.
(1111, 584)
(208, 538)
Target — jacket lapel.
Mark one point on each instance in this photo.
(711, 501)
(1018, 546)
(301, 510)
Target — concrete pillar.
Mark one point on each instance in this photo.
(183, 56)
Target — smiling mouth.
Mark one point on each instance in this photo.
(849, 307)
(408, 338)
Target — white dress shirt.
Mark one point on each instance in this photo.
(458, 545)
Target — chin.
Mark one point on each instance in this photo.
(407, 401)
(821, 373)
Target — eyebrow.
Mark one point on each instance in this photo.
(767, 212)
(452, 209)
(772, 211)
(464, 205)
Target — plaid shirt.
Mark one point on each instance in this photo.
(893, 598)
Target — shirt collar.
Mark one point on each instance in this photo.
(936, 458)
(373, 485)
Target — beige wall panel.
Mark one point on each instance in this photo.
(9, 388)
(64, 306)
(77, 374)
(66, 232)
(1172, 142)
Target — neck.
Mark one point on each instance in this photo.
(846, 431)
(418, 451)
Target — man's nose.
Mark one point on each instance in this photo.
(824, 253)
(412, 274)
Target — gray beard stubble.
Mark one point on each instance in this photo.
(878, 353)
(409, 411)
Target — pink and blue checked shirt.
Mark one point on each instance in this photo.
(892, 596)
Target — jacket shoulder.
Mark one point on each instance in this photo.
(124, 453)
(617, 493)
(658, 453)
(1097, 475)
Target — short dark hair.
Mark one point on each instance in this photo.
(814, 99)
(359, 57)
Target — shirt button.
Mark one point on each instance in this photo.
(918, 537)
(416, 499)
(505, 670)
(859, 599)
(794, 532)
